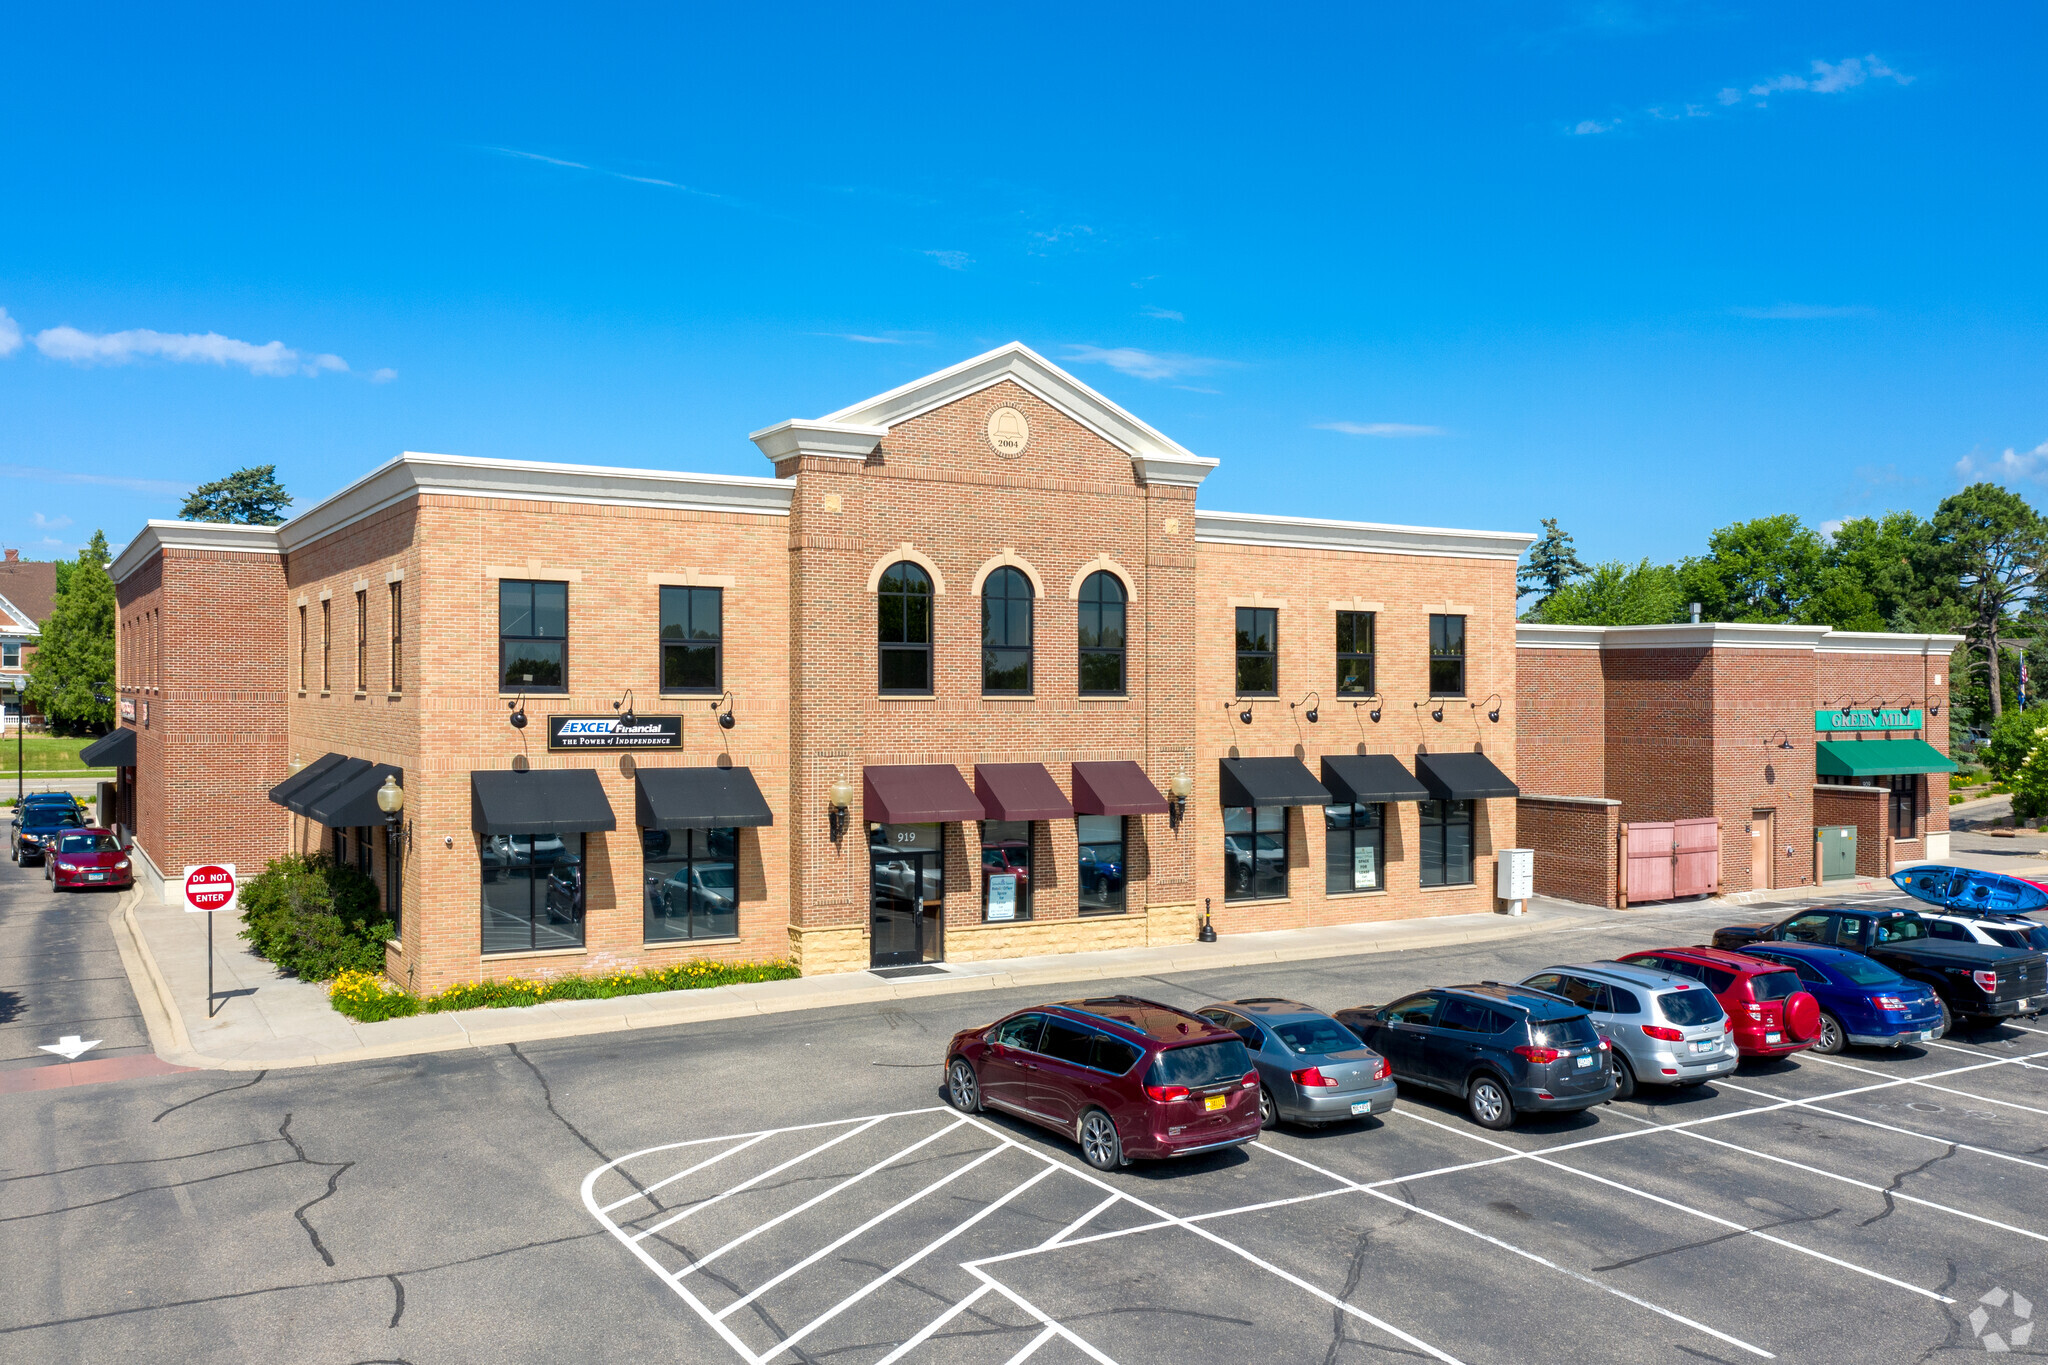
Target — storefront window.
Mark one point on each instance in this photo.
(1005, 870)
(532, 892)
(692, 639)
(1905, 806)
(1258, 657)
(1354, 839)
(1254, 853)
(533, 636)
(1102, 634)
(692, 883)
(1102, 863)
(1446, 843)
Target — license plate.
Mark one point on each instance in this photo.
(1215, 1102)
(1774, 1037)
(95, 876)
(1927, 1036)
(1584, 1062)
(1362, 1107)
(1705, 1045)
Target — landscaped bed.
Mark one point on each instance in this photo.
(367, 997)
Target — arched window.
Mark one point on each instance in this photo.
(1006, 632)
(904, 627)
(1102, 633)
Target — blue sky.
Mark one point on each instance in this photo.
(1647, 269)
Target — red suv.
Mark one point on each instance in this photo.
(1773, 1015)
(1123, 1077)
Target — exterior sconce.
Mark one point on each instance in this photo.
(839, 802)
(624, 706)
(1311, 713)
(1178, 792)
(1494, 714)
(518, 710)
(1934, 708)
(1847, 707)
(726, 721)
(1379, 704)
(1436, 713)
(1784, 743)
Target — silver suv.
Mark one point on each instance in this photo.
(1664, 1029)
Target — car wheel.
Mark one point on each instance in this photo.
(1100, 1146)
(1624, 1078)
(963, 1087)
(1488, 1103)
(1832, 1039)
(1269, 1113)
(1948, 1021)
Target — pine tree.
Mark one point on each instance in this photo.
(252, 497)
(75, 653)
(1552, 564)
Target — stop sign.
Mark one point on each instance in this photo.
(209, 888)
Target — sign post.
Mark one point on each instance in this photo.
(208, 888)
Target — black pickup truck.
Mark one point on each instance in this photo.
(1976, 981)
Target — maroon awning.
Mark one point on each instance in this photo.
(917, 794)
(1119, 788)
(1020, 791)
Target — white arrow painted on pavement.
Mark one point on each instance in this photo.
(70, 1047)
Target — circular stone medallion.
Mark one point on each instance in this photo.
(1008, 431)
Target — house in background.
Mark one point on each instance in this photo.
(27, 589)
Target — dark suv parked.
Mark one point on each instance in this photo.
(1124, 1077)
(1499, 1048)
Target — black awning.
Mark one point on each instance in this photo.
(1270, 782)
(114, 749)
(538, 801)
(331, 779)
(698, 798)
(306, 778)
(1463, 777)
(352, 801)
(1365, 779)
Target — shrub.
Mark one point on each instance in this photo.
(2030, 779)
(365, 997)
(314, 918)
(2011, 739)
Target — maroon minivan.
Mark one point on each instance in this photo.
(1124, 1077)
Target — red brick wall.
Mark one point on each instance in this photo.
(1576, 846)
(1869, 810)
(1561, 721)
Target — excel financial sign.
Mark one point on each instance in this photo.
(615, 732)
(1867, 718)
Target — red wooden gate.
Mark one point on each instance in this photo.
(1671, 858)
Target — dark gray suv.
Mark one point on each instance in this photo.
(1501, 1049)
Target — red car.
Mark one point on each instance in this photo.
(1124, 1077)
(1773, 1016)
(84, 858)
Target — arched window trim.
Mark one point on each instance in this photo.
(888, 650)
(1085, 652)
(1001, 653)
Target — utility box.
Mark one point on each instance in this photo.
(1837, 852)
(1514, 877)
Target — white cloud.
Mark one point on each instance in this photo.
(50, 523)
(1144, 364)
(41, 474)
(211, 348)
(383, 376)
(952, 260)
(1587, 127)
(882, 339)
(599, 170)
(1825, 78)
(1169, 314)
(2011, 467)
(10, 334)
(1385, 429)
(1828, 528)
(1799, 312)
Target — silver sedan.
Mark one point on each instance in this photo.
(1312, 1069)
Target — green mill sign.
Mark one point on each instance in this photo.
(1865, 718)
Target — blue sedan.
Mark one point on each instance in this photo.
(1862, 1002)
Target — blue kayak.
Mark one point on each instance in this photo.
(1963, 888)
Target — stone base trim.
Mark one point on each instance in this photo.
(824, 949)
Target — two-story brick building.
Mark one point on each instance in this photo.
(971, 675)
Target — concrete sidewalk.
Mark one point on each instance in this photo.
(268, 1020)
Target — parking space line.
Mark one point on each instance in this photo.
(1892, 1128)
(926, 1332)
(876, 1283)
(1951, 1047)
(749, 1184)
(1658, 1309)
(841, 1241)
(648, 1193)
(1052, 1330)
(1702, 1213)
(1035, 1311)
(1944, 1089)
(1860, 1184)
(817, 1199)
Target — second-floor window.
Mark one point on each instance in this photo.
(1446, 656)
(1258, 652)
(397, 634)
(692, 639)
(533, 635)
(302, 648)
(326, 644)
(1006, 632)
(903, 602)
(362, 640)
(1354, 653)
(1102, 634)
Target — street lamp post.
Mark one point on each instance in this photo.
(391, 800)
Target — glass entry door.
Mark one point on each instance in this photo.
(907, 881)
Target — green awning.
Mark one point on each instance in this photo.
(1879, 758)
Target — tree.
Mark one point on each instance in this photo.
(251, 496)
(1765, 570)
(1889, 557)
(1617, 594)
(1552, 564)
(1987, 546)
(76, 650)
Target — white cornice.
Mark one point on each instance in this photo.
(832, 440)
(467, 476)
(1875, 642)
(1531, 636)
(1727, 635)
(1155, 457)
(1313, 533)
(157, 536)
(26, 625)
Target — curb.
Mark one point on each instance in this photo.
(489, 1027)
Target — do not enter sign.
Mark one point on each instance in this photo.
(210, 888)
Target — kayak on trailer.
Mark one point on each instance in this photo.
(1965, 888)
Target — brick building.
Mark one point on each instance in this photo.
(28, 589)
(1768, 741)
(971, 675)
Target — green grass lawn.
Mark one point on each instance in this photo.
(45, 753)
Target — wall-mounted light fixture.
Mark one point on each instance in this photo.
(1436, 713)
(1784, 743)
(624, 707)
(1378, 704)
(1847, 707)
(1311, 712)
(1494, 714)
(839, 803)
(1934, 708)
(1177, 793)
(518, 710)
(1244, 716)
(725, 717)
